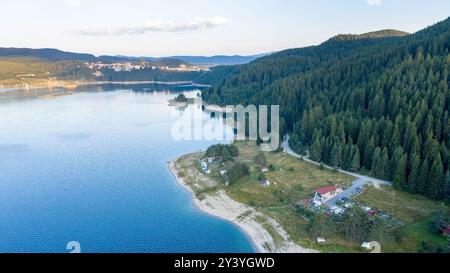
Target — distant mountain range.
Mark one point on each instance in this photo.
(218, 59)
(193, 60)
(50, 54)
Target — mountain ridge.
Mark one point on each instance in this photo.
(379, 34)
(53, 54)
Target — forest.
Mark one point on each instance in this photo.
(378, 104)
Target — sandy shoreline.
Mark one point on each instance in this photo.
(73, 84)
(245, 218)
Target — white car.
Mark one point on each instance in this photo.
(348, 205)
(337, 210)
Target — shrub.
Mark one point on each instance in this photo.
(225, 152)
(261, 159)
(238, 171)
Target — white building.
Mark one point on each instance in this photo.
(326, 193)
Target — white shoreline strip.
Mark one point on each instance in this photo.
(222, 206)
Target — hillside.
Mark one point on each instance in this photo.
(218, 59)
(29, 66)
(378, 106)
(46, 54)
(386, 33)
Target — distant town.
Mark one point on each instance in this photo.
(97, 67)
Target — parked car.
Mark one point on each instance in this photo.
(348, 205)
(383, 216)
(337, 210)
(372, 213)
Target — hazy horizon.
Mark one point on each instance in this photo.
(200, 27)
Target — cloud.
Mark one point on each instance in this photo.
(374, 2)
(159, 26)
(73, 3)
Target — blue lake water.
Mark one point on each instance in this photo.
(92, 167)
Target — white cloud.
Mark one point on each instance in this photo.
(73, 3)
(160, 26)
(374, 2)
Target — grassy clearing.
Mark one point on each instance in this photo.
(407, 207)
(295, 181)
(412, 236)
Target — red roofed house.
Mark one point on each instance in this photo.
(446, 231)
(326, 193)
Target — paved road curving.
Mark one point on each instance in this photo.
(360, 182)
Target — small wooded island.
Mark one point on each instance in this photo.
(181, 100)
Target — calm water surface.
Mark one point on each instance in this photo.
(92, 167)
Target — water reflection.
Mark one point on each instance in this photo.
(11, 94)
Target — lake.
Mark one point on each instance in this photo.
(92, 167)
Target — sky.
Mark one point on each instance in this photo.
(202, 27)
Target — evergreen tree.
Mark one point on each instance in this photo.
(320, 226)
(436, 180)
(355, 163)
(336, 156)
(369, 153)
(376, 161)
(380, 165)
(399, 164)
(422, 183)
(414, 172)
(378, 231)
(447, 185)
(316, 150)
(356, 225)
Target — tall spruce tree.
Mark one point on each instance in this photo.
(436, 180)
(356, 161)
(422, 183)
(399, 164)
(414, 173)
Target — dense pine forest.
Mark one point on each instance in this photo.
(376, 104)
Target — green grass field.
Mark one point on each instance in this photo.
(414, 210)
(407, 207)
(296, 181)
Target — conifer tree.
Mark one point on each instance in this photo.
(435, 187)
